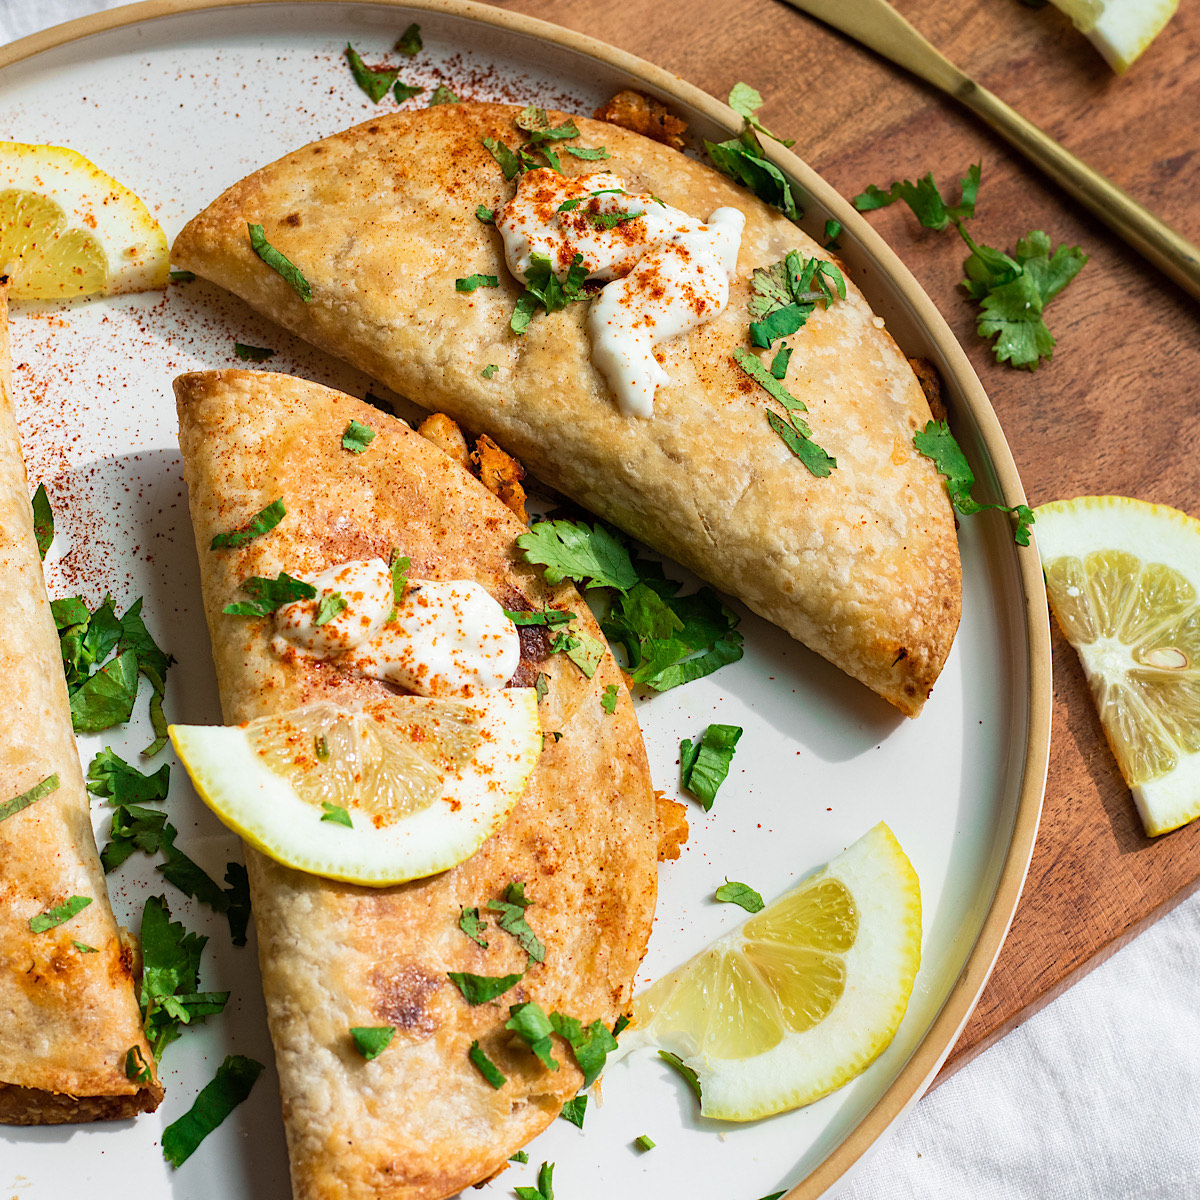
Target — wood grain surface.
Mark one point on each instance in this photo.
(1116, 411)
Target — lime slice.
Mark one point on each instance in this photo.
(1119, 29)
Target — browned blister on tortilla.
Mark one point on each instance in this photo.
(861, 566)
(419, 1121)
(68, 1009)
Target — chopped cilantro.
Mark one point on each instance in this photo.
(110, 777)
(471, 282)
(547, 616)
(489, 370)
(794, 431)
(544, 288)
(266, 595)
(470, 923)
(332, 604)
(554, 733)
(541, 685)
(741, 894)
(643, 1142)
(588, 153)
(622, 1022)
(136, 1066)
(335, 814)
(372, 1040)
(356, 437)
(479, 989)
(495, 1077)
(399, 564)
(1012, 290)
(405, 91)
(529, 1021)
(689, 1076)
(608, 701)
(743, 160)
(409, 43)
(279, 263)
(83, 948)
(779, 364)
(590, 1044)
(833, 230)
(262, 522)
(375, 83)
(936, 442)
(187, 875)
(238, 896)
(610, 220)
(703, 765)
(787, 292)
(217, 1099)
(519, 1157)
(585, 651)
(183, 276)
(252, 353)
(443, 95)
(32, 796)
(43, 520)
(574, 1110)
(106, 698)
(510, 164)
(545, 1185)
(59, 915)
(170, 977)
(133, 828)
(158, 721)
(746, 101)
(511, 919)
(485, 214)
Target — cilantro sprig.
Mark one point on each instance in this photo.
(668, 639)
(787, 292)
(543, 145)
(744, 160)
(1012, 290)
(746, 101)
(544, 289)
(936, 442)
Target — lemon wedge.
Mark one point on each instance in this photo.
(803, 996)
(68, 229)
(1123, 578)
(1119, 29)
(355, 797)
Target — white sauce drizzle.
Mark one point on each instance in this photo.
(445, 638)
(671, 271)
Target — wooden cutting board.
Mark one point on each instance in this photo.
(1116, 411)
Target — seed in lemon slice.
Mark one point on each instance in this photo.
(1123, 578)
(68, 229)
(422, 788)
(1119, 29)
(803, 996)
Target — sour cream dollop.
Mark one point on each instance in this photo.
(444, 639)
(671, 272)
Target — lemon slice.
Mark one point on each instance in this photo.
(68, 229)
(803, 996)
(1119, 29)
(1123, 578)
(354, 797)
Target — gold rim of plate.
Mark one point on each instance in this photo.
(977, 428)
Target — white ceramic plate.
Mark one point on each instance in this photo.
(178, 105)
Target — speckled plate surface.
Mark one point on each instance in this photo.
(180, 100)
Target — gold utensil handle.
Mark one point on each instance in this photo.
(881, 28)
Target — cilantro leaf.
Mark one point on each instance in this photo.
(279, 263)
(479, 989)
(262, 522)
(183, 276)
(608, 701)
(133, 828)
(832, 229)
(585, 651)
(470, 923)
(491, 1073)
(405, 91)
(511, 919)
(545, 1185)
(356, 437)
(83, 948)
(510, 165)
(591, 555)
(187, 875)
(252, 353)
(489, 370)
(443, 95)
(112, 778)
(106, 698)
(779, 364)
(59, 915)
(588, 153)
(689, 1076)
(471, 282)
(152, 661)
(547, 616)
(266, 595)
(372, 1040)
(704, 765)
(43, 520)
(332, 604)
(541, 685)
(11, 807)
(744, 161)
(591, 1044)
(237, 896)
(610, 220)
(375, 83)
(399, 563)
(745, 101)
(529, 1021)
(937, 443)
(520, 1157)
(136, 1066)
(217, 1099)
(741, 894)
(544, 288)
(574, 1110)
(485, 214)
(336, 815)
(409, 43)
